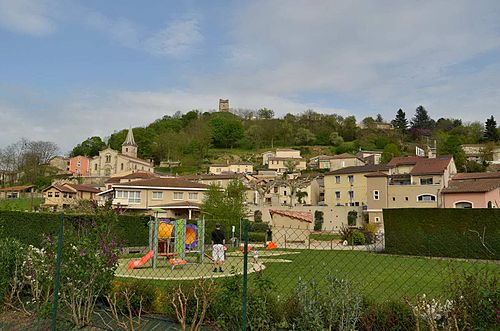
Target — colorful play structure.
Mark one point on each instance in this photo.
(173, 240)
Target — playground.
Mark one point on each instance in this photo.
(177, 252)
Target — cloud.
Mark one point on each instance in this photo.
(27, 16)
(175, 39)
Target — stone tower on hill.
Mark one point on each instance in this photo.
(129, 147)
(224, 105)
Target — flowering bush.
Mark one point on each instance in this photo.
(12, 256)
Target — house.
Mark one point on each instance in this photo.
(111, 163)
(473, 190)
(176, 197)
(62, 195)
(345, 160)
(348, 186)
(15, 192)
(283, 164)
(281, 153)
(235, 167)
(273, 192)
(482, 152)
(79, 166)
(289, 227)
(61, 163)
(411, 182)
(370, 157)
(221, 180)
(135, 176)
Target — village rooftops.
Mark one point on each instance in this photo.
(83, 188)
(134, 175)
(472, 186)
(303, 216)
(359, 169)
(477, 175)
(404, 160)
(435, 166)
(225, 175)
(16, 188)
(164, 183)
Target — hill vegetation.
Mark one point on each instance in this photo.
(195, 138)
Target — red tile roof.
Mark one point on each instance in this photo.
(228, 175)
(164, 182)
(472, 186)
(434, 166)
(404, 160)
(376, 174)
(134, 175)
(476, 175)
(359, 169)
(303, 216)
(16, 188)
(82, 188)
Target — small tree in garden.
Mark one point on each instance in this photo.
(318, 220)
(352, 216)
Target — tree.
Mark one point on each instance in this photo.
(336, 139)
(89, 147)
(318, 220)
(348, 128)
(226, 206)
(379, 119)
(265, 113)
(227, 129)
(400, 123)
(491, 131)
(421, 124)
(304, 137)
(390, 150)
(452, 146)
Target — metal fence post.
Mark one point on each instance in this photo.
(245, 279)
(58, 273)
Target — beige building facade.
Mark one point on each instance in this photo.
(239, 168)
(113, 163)
(63, 195)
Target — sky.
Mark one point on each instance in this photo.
(72, 69)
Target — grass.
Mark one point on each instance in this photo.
(21, 204)
(325, 236)
(379, 277)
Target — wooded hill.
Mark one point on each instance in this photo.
(192, 137)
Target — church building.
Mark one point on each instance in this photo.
(113, 163)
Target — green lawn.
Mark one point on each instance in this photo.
(379, 277)
(325, 236)
(21, 204)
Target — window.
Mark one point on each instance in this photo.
(337, 195)
(350, 178)
(65, 195)
(275, 189)
(178, 195)
(134, 197)
(426, 198)
(56, 194)
(406, 198)
(121, 194)
(108, 158)
(126, 149)
(78, 164)
(193, 196)
(463, 204)
(377, 219)
(157, 195)
(351, 195)
(393, 198)
(337, 179)
(426, 181)
(121, 166)
(95, 167)
(376, 195)
(49, 194)
(284, 193)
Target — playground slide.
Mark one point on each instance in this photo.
(137, 263)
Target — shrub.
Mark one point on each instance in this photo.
(12, 255)
(387, 316)
(142, 296)
(479, 298)
(256, 237)
(258, 227)
(357, 238)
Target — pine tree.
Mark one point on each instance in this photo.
(491, 131)
(421, 120)
(400, 123)
(379, 119)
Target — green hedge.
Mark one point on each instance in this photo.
(32, 228)
(443, 232)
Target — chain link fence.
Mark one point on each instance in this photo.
(265, 278)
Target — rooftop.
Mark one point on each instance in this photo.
(434, 166)
(359, 169)
(477, 175)
(16, 188)
(472, 186)
(165, 183)
(303, 216)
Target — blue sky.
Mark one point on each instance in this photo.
(71, 69)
